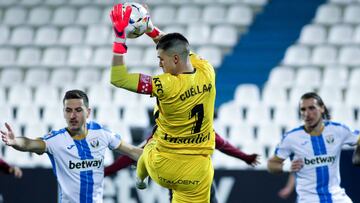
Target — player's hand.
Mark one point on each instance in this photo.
(285, 192)
(16, 171)
(296, 165)
(8, 136)
(151, 30)
(253, 159)
(120, 20)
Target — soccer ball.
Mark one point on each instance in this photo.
(139, 20)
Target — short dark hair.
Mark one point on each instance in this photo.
(174, 43)
(76, 94)
(312, 95)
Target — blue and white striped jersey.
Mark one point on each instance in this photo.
(79, 164)
(319, 180)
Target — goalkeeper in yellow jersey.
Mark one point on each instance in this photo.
(178, 156)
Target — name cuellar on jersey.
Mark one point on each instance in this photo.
(79, 164)
(319, 179)
(186, 109)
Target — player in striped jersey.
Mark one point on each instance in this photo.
(315, 150)
(76, 151)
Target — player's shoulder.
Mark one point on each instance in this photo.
(200, 63)
(292, 132)
(339, 125)
(93, 125)
(53, 134)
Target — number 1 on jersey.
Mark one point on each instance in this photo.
(198, 112)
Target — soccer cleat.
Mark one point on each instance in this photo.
(141, 184)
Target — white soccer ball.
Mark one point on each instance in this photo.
(139, 20)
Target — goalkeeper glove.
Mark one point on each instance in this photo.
(151, 30)
(120, 20)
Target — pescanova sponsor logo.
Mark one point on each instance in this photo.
(85, 164)
(319, 161)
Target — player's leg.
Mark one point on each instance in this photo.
(141, 173)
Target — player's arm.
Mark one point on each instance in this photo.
(120, 77)
(356, 155)
(225, 147)
(286, 191)
(275, 165)
(22, 143)
(130, 150)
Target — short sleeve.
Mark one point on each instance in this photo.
(351, 137)
(114, 139)
(283, 149)
(47, 139)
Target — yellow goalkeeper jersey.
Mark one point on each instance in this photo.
(186, 109)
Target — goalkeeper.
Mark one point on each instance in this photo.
(178, 156)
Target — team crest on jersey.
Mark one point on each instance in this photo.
(329, 139)
(94, 143)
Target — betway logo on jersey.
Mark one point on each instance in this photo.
(86, 164)
(320, 161)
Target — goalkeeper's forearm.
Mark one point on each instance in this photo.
(120, 77)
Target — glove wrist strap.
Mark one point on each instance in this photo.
(119, 48)
(154, 33)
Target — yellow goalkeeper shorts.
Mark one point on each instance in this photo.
(189, 176)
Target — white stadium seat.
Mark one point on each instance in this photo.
(7, 56)
(88, 15)
(297, 55)
(188, 14)
(164, 15)
(324, 55)
(281, 76)
(87, 77)
(134, 56)
(27, 113)
(198, 34)
(46, 36)
(22, 35)
(64, 15)
(352, 14)
(37, 77)
(340, 34)
(224, 35)
(332, 95)
(352, 98)
(29, 56)
(239, 15)
(308, 76)
(102, 56)
(274, 96)
(98, 34)
(39, 16)
(4, 34)
(356, 35)
(335, 76)
(354, 78)
(19, 94)
(349, 55)
(313, 34)
(212, 54)
(79, 56)
(53, 56)
(46, 96)
(72, 35)
(60, 77)
(15, 16)
(11, 76)
(247, 95)
(30, 2)
(328, 14)
(55, 2)
(214, 14)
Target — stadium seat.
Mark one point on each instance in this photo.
(108, 114)
(164, 15)
(54, 56)
(332, 95)
(297, 55)
(229, 114)
(255, 3)
(19, 94)
(60, 77)
(198, 34)
(29, 56)
(27, 113)
(97, 35)
(150, 58)
(147, 101)
(328, 14)
(46, 95)
(105, 18)
(142, 41)
(4, 34)
(120, 128)
(224, 36)
(124, 98)
(175, 28)
(308, 76)
(134, 56)
(340, 34)
(35, 77)
(269, 135)
(281, 76)
(39, 15)
(139, 119)
(214, 14)
(356, 35)
(100, 95)
(22, 35)
(247, 95)
(102, 56)
(296, 92)
(11, 76)
(88, 15)
(241, 134)
(286, 116)
(87, 77)
(55, 2)
(188, 14)
(323, 55)
(6, 3)
(15, 15)
(352, 14)
(274, 96)
(342, 2)
(52, 116)
(257, 115)
(335, 76)
(79, 56)
(352, 98)
(349, 55)
(18, 158)
(239, 15)
(211, 53)
(7, 56)
(30, 3)
(46, 36)
(6, 113)
(343, 114)
(313, 34)
(72, 35)
(105, 2)
(64, 15)
(354, 78)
